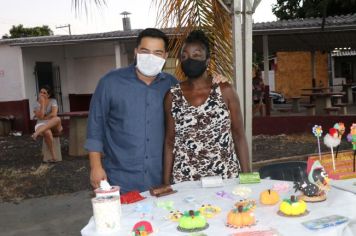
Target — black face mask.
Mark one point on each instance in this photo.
(193, 68)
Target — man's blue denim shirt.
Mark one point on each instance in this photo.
(126, 124)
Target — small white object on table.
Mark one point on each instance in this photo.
(338, 202)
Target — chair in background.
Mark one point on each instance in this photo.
(289, 171)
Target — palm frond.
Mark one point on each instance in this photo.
(80, 5)
(207, 15)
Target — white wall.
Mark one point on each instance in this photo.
(11, 74)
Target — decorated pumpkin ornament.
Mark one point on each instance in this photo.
(340, 130)
(240, 217)
(142, 228)
(269, 197)
(315, 186)
(192, 221)
(293, 207)
(332, 140)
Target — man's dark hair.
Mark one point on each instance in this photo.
(153, 33)
(198, 36)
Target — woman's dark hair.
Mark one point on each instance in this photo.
(153, 33)
(48, 89)
(198, 36)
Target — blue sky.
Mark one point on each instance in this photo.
(59, 12)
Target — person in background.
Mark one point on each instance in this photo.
(258, 88)
(204, 126)
(48, 123)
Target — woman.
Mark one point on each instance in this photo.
(258, 88)
(48, 123)
(204, 127)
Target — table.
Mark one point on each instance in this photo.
(77, 131)
(338, 202)
(295, 104)
(322, 100)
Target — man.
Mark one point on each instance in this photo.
(126, 118)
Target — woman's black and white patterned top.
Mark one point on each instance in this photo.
(203, 141)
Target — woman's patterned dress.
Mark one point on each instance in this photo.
(203, 140)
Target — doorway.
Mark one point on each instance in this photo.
(47, 74)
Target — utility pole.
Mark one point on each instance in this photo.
(65, 26)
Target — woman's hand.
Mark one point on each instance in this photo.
(41, 99)
(218, 78)
(96, 175)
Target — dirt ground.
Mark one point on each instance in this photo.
(22, 174)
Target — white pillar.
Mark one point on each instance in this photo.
(248, 72)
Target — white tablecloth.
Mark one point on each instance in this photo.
(338, 202)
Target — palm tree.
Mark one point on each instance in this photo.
(212, 16)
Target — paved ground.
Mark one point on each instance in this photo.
(63, 214)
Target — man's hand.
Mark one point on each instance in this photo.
(218, 78)
(97, 172)
(96, 175)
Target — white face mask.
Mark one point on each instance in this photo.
(149, 64)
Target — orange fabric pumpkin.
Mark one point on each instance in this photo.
(269, 197)
(237, 218)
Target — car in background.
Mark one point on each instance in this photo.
(277, 98)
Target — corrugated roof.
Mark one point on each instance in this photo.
(68, 39)
(308, 23)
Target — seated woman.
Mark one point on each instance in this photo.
(204, 127)
(48, 123)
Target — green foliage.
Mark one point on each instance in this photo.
(20, 32)
(292, 9)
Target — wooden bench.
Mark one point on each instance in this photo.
(332, 110)
(310, 109)
(5, 124)
(284, 110)
(47, 157)
(343, 108)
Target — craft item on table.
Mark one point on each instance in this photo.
(282, 187)
(142, 228)
(340, 130)
(131, 197)
(189, 199)
(107, 213)
(144, 209)
(162, 190)
(211, 181)
(106, 189)
(325, 222)
(225, 195)
(209, 210)
(168, 205)
(293, 207)
(247, 204)
(351, 137)
(331, 140)
(249, 178)
(314, 188)
(318, 131)
(267, 232)
(242, 191)
(240, 217)
(174, 215)
(269, 197)
(192, 221)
